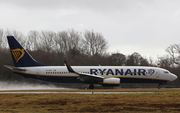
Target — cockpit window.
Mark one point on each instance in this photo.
(166, 72)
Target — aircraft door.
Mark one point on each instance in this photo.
(157, 74)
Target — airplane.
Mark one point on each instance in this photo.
(26, 66)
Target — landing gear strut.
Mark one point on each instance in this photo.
(91, 86)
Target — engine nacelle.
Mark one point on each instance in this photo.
(111, 82)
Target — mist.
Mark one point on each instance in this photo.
(7, 85)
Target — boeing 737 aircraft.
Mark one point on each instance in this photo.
(26, 66)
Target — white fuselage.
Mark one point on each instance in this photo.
(127, 74)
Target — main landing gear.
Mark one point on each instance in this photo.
(91, 86)
(159, 86)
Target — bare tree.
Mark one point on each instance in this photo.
(118, 59)
(94, 43)
(61, 41)
(74, 39)
(165, 62)
(136, 59)
(33, 41)
(1, 39)
(68, 40)
(174, 52)
(18, 35)
(47, 41)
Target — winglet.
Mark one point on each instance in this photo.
(69, 67)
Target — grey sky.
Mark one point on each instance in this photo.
(144, 26)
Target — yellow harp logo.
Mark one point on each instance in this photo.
(18, 54)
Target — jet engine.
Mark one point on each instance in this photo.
(111, 82)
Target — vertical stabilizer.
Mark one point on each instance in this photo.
(20, 56)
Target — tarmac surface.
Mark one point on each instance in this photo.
(15, 92)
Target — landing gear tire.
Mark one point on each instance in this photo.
(159, 87)
(91, 86)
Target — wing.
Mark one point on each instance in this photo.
(84, 76)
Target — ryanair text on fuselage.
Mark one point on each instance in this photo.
(132, 72)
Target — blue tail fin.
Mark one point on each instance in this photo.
(20, 57)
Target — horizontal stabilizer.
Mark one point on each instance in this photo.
(15, 68)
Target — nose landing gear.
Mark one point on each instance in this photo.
(160, 84)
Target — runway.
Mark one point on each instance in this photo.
(25, 88)
(75, 92)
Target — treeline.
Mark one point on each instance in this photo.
(86, 48)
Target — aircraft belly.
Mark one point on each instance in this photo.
(141, 80)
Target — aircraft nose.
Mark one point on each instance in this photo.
(173, 77)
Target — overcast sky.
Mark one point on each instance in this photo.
(144, 26)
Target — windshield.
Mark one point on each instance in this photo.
(166, 72)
